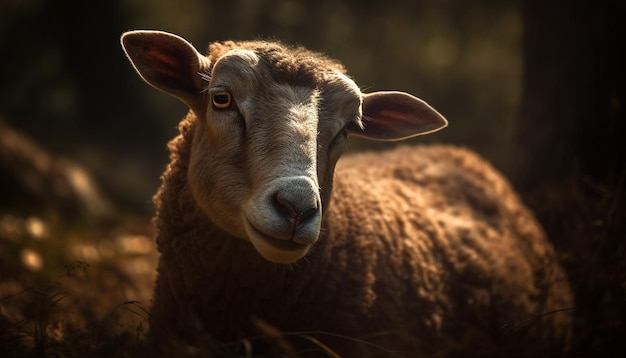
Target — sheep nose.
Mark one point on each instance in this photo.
(297, 201)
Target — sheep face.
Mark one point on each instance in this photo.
(265, 140)
(271, 124)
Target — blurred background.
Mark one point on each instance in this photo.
(536, 88)
(67, 83)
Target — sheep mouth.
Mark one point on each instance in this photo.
(275, 249)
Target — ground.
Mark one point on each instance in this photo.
(82, 290)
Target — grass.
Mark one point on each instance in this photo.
(70, 293)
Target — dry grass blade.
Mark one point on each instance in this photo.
(319, 343)
(522, 326)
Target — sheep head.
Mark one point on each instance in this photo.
(271, 124)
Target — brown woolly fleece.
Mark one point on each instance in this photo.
(423, 249)
(293, 65)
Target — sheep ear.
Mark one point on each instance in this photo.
(396, 115)
(167, 62)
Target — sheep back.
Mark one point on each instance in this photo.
(455, 245)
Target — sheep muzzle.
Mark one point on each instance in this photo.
(284, 219)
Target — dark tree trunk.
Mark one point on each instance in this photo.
(573, 97)
(570, 154)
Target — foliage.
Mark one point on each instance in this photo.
(69, 85)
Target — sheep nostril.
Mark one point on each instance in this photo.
(284, 207)
(306, 213)
(294, 213)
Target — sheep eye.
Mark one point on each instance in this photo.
(221, 100)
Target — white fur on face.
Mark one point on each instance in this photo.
(283, 145)
(254, 167)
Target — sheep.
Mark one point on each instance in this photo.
(420, 249)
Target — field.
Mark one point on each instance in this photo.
(74, 292)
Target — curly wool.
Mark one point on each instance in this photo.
(294, 65)
(428, 250)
